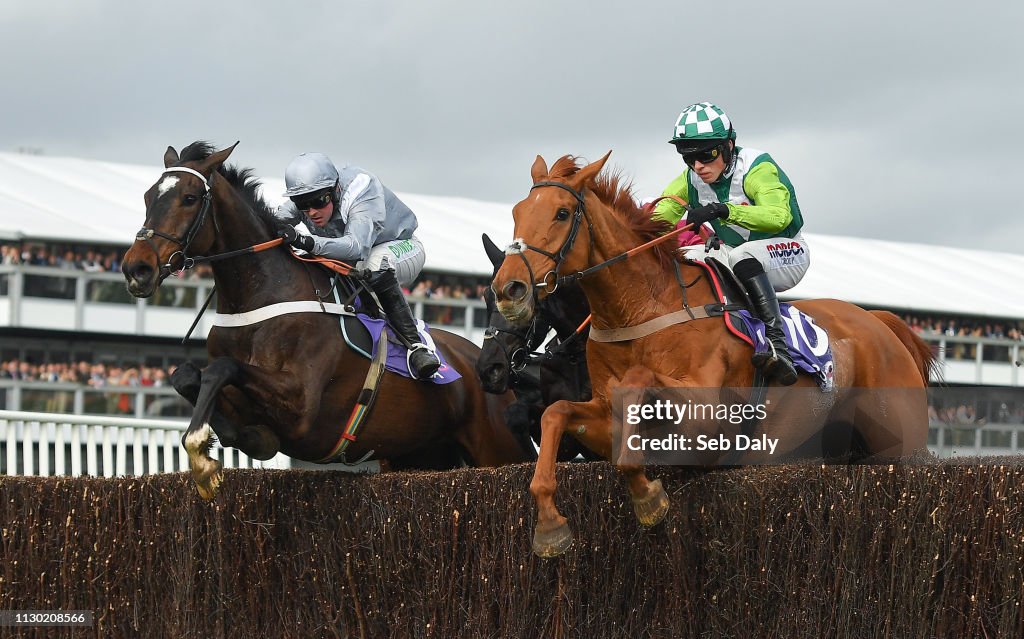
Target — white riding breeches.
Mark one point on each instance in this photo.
(406, 257)
(785, 260)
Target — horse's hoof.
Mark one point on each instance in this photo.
(553, 542)
(208, 478)
(652, 509)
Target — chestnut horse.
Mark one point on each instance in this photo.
(575, 219)
(288, 382)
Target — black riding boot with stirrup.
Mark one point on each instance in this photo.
(776, 363)
(423, 362)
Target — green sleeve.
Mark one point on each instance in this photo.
(770, 211)
(669, 211)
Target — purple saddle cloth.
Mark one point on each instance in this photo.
(396, 360)
(808, 343)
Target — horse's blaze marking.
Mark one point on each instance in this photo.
(195, 440)
(166, 185)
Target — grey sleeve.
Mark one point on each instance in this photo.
(366, 213)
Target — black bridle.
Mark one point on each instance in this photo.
(531, 338)
(518, 246)
(146, 234)
(518, 358)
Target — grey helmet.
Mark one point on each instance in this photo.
(308, 173)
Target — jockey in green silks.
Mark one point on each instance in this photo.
(750, 204)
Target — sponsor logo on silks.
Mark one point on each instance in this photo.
(785, 249)
(400, 248)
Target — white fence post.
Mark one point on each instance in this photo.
(76, 450)
(12, 451)
(153, 459)
(28, 466)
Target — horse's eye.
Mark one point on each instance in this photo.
(189, 199)
(562, 215)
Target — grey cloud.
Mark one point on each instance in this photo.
(894, 119)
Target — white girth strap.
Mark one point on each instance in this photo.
(233, 320)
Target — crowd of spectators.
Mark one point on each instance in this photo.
(964, 326)
(970, 414)
(106, 388)
(96, 375)
(930, 326)
(86, 258)
(457, 290)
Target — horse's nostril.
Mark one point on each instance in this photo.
(139, 272)
(515, 290)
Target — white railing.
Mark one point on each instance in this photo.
(45, 444)
(947, 440)
(49, 444)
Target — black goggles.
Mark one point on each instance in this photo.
(705, 156)
(313, 201)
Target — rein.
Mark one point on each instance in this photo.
(518, 245)
(146, 235)
(627, 333)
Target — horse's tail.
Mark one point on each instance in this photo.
(919, 349)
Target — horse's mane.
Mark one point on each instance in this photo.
(242, 179)
(617, 193)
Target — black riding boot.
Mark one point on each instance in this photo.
(776, 363)
(423, 362)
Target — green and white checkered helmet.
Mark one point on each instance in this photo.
(701, 126)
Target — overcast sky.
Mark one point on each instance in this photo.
(896, 120)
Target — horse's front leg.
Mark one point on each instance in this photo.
(187, 380)
(199, 436)
(650, 502)
(251, 387)
(552, 536)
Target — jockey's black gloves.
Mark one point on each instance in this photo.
(701, 214)
(296, 239)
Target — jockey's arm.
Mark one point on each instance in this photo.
(670, 211)
(770, 210)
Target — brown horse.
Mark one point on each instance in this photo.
(288, 383)
(575, 219)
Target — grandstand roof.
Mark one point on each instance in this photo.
(88, 201)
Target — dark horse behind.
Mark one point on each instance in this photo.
(288, 383)
(511, 358)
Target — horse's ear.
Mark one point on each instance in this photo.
(590, 171)
(215, 160)
(539, 169)
(494, 254)
(170, 157)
